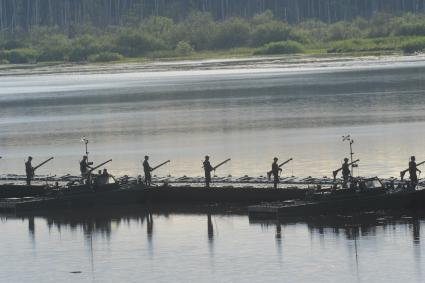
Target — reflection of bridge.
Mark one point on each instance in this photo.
(352, 227)
(102, 220)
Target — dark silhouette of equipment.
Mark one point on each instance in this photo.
(269, 174)
(85, 141)
(160, 165)
(350, 141)
(349, 164)
(402, 173)
(98, 166)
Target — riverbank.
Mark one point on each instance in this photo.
(221, 62)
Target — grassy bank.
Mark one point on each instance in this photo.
(200, 37)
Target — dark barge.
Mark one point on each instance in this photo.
(84, 196)
(412, 200)
(307, 197)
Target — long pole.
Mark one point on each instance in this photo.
(222, 163)
(269, 173)
(162, 164)
(287, 161)
(86, 141)
(350, 141)
(339, 169)
(351, 156)
(42, 163)
(100, 165)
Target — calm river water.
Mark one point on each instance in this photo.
(248, 111)
(188, 247)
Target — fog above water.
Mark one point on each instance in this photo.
(249, 111)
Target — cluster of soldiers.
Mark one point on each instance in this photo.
(102, 177)
(412, 169)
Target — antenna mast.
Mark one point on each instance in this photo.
(350, 142)
(86, 141)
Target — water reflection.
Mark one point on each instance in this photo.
(149, 225)
(178, 245)
(360, 233)
(210, 228)
(352, 228)
(416, 229)
(31, 226)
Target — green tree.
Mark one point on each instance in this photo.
(270, 32)
(230, 33)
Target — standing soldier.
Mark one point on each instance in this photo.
(207, 169)
(147, 168)
(346, 171)
(29, 170)
(412, 172)
(275, 171)
(84, 167)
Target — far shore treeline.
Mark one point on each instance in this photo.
(112, 30)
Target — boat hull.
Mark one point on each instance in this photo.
(83, 196)
(409, 200)
(20, 191)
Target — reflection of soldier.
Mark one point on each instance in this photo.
(29, 170)
(412, 171)
(207, 169)
(149, 225)
(147, 169)
(346, 171)
(275, 172)
(210, 227)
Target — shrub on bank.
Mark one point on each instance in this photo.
(19, 56)
(132, 43)
(231, 33)
(105, 57)
(366, 45)
(54, 48)
(273, 31)
(411, 29)
(13, 44)
(351, 45)
(83, 47)
(183, 49)
(281, 47)
(413, 45)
